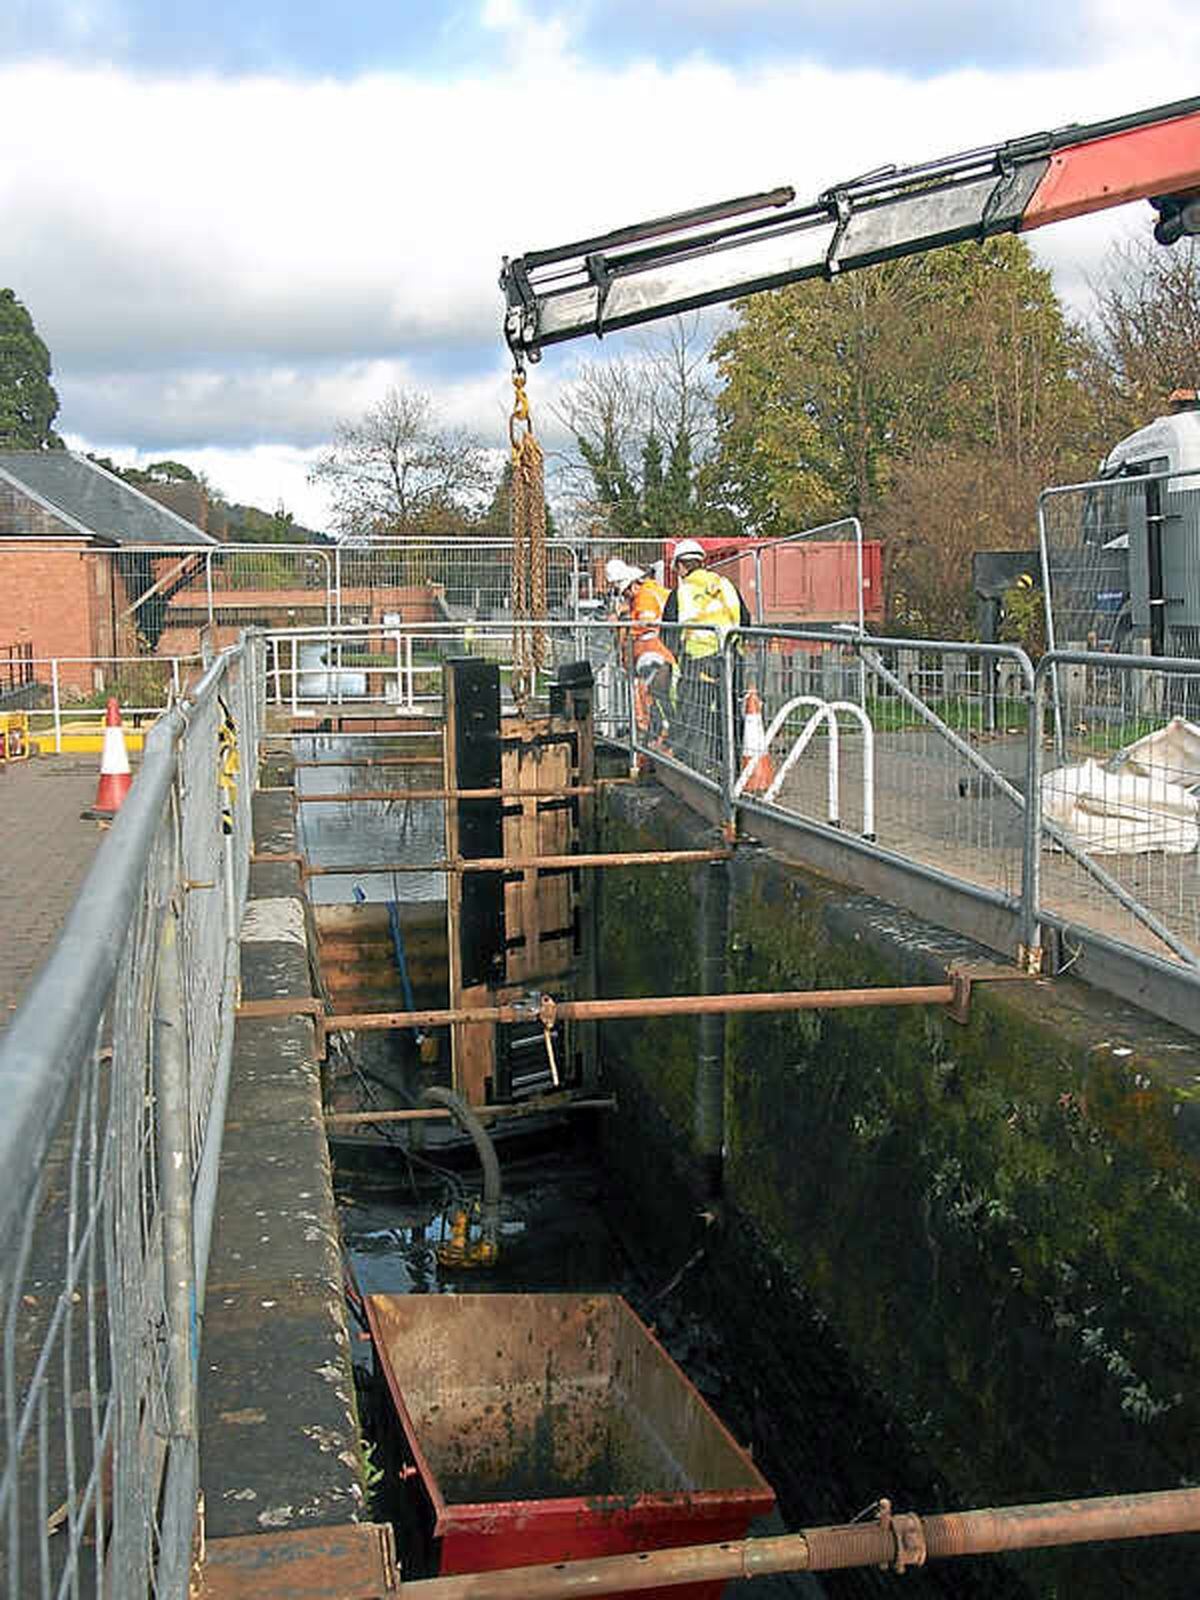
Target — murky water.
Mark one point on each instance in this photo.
(365, 833)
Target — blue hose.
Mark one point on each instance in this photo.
(398, 950)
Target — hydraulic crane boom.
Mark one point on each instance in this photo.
(762, 241)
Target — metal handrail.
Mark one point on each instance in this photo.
(118, 1051)
(63, 1008)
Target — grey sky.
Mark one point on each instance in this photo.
(227, 263)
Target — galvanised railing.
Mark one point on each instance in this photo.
(931, 758)
(1032, 792)
(143, 685)
(113, 1076)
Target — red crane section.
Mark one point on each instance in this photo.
(1161, 159)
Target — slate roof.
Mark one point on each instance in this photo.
(91, 502)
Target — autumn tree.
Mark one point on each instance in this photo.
(1147, 330)
(1024, 412)
(400, 471)
(932, 395)
(812, 397)
(28, 403)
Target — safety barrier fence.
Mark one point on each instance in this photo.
(324, 668)
(113, 1076)
(947, 759)
(805, 575)
(938, 759)
(1069, 794)
(132, 612)
(143, 685)
(156, 600)
(1118, 569)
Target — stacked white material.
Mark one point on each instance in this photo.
(1144, 799)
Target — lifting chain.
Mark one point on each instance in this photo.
(528, 523)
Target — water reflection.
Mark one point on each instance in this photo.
(367, 831)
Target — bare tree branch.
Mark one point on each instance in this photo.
(398, 470)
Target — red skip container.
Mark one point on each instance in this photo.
(555, 1428)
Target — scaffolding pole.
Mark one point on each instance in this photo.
(546, 1010)
(895, 1540)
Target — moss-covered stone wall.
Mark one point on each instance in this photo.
(962, 1264)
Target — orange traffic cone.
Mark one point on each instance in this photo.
(114, 767)
(755, 755)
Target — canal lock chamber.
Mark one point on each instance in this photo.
(937, 1263)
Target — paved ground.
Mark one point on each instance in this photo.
(45, 849)
(932, 807)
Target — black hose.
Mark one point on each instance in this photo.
(458, 1108)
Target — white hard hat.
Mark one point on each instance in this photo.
(620, 574)
(688, 550)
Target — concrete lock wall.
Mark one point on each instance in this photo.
(960, 1266)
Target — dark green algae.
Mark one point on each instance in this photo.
(994, 1224)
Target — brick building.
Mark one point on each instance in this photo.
(77, 574)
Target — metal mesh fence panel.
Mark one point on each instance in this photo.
(1088, 535)
(83, 1358)
(98, 1068)
(1119, 798)
(696, 711)
(57, 1358)
(1122, 565)
(204, 912)
(828, 576)
(463, 580)
(598, 643)
(929, 762)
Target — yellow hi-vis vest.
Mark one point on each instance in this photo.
(706, 598)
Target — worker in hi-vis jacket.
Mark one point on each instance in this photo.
(640, 600)
(700, 612)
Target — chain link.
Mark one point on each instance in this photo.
(528, 525)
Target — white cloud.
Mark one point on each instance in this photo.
(234, 264)
(502, 16)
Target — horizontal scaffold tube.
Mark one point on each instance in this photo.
(668, 1005)
(524, 1108)
(564, 863)
(897, 1542)
(362, 795)
(607, 781)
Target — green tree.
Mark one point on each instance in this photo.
(28, 403)
(652, 481)
(643, 429)
(495, 524)
(815, 397)
(617, 493)
(680, 490)
(171, 472)
(255, 526)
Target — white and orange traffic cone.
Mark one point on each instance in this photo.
(114, 767)
(758, 770)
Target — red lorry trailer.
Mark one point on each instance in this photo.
(798, 580)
